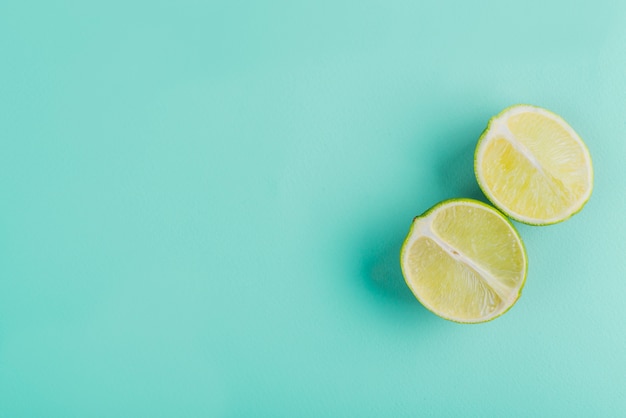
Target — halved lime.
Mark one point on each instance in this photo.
(533, 166)
(464, 261)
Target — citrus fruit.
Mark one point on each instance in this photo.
(533, 166)
(464, 261)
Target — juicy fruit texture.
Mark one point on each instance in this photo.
(464, 261)
(533, 166)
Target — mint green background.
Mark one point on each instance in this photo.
(202, 206)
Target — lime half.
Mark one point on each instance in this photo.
(464, 261)
(533, 166)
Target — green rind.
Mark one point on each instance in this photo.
(489, 196)
(474, 201)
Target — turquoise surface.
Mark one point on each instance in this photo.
(202, 206)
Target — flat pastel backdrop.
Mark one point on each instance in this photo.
(202, 205)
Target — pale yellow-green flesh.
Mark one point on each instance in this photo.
(471, 269)
(551, 184)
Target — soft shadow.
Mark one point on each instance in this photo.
(456, 165)
(382, 268)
